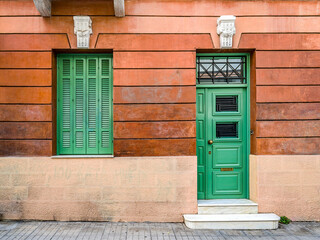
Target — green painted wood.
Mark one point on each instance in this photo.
(65, 106)
(92, 103)
(226, 153)
(201, 142)
(79, 105)
(84, 119)
(105, 116)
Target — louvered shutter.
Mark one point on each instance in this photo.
(92, 103)
(79, 105)
(65, 106)
(105, 135)
(84, 104)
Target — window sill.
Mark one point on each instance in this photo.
(82, 156)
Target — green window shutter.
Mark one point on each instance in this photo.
(93, 113)
(65, 107)
(80, 106)
(84, 110)
(105, 136)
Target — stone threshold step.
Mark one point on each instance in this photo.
(227, 206)
(232, 221)
(226, 202)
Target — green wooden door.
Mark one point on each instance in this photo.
(222, 125)
(84, 109)
(222, 143)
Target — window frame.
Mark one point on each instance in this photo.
(86, 56)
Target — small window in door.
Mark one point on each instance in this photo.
(226, 103)
(227, 130)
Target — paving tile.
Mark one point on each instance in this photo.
(33, 230)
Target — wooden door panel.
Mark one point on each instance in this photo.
(222, 165)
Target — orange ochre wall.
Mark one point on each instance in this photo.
(154, 49)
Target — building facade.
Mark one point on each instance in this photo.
(155, 113)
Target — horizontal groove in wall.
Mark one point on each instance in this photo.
(26, 121)
(284, 120)
(288, 50)
(36, 16)
(90, 15)
(289, 137)
(23, 86)
(44, 33)
(19, 140)
(161, 15)
(275, 33)
(128, 51)
(153, 138)
(152, 51)
(49, 51)
(284, 102)
(49, 104)
(157, 86)
(183, 120)
(144, 68)
(11, 86)
(148, 33)
(173, 85)
(25, 139)
(138, 121)
(286, 85)
(27, 68)
(281, 102)
(154, 103)
(135, 69)
(287, 67)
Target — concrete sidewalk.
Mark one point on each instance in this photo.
(107, 230)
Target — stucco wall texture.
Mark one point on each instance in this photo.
(158, 189)
(287, 185)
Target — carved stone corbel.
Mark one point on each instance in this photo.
(226, 29)
(83, 30)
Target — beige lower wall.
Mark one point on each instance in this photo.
(288, 185)
(158, 189)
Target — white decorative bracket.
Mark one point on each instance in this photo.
(83, 30)
(226, 29)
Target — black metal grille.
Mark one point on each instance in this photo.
(227, 104)
(221, 70)
(226, 130)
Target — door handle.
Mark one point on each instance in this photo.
(210, 142)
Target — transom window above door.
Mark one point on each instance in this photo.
(221, 70)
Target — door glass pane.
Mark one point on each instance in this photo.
(229, 130)
(226, 103)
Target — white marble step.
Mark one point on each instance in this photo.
(227, 206)
(232, 221)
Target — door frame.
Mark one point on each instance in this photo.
(248, 91)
